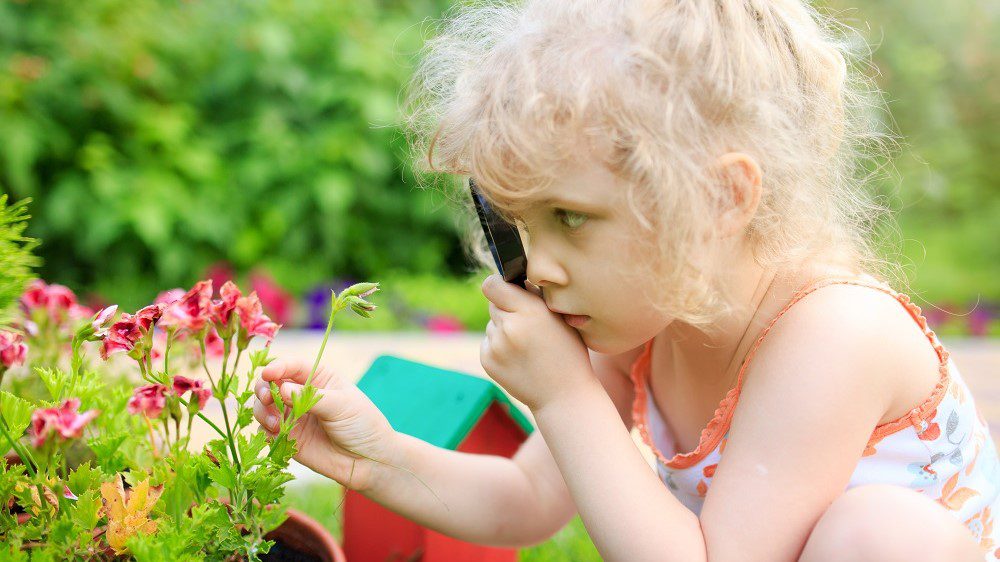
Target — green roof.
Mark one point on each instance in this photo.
(436, 405)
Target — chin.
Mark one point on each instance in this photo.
(601, 346)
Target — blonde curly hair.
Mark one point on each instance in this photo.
(506, 91)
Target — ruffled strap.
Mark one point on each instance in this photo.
(716, 428)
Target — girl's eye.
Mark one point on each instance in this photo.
(571, 219)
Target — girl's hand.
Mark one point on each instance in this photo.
(528, 349)
(344, 418)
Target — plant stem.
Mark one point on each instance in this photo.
(190, 419)
(166, 434)
(335, 307)
(222, 401)
(166, 353)
(236, 363)
(25, 456)
(212, 424)
(204, 365)
(152, 436)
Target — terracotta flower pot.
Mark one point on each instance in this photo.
(304, 534)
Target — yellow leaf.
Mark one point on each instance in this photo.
(128, 514)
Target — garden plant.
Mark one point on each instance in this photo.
(101, 465)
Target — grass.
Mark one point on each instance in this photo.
(320, 501)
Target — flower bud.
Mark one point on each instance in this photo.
(360, 290)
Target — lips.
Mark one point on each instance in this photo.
(575, 320)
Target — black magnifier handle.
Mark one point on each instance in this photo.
(504, 240)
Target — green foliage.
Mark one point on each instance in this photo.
(16, 412)
(16, 258)
(159, 137)
(938, 69)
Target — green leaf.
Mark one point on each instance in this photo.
(260, 358)
(107, 450)
(86, 512)
(267, 483)
(276, 397)
(17, 413)
(282, 449)
(243, 418)
(10, 476)
(56, 381)
(85, 477)
(251, 448)
(224, 474)
(303, 401)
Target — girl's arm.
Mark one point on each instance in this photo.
(629, 513)
(810, 400)
(490, 499)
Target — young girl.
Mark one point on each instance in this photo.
(701, 261)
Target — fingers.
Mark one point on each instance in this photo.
(267, 417)
(286, 389)
(281, 370)
(495, 315)
(263, 391)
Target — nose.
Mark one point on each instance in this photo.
(544, 269)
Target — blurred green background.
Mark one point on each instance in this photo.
(160, 138)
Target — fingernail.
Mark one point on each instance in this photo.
(272, 420)
(262, 393)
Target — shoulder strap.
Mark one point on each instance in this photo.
(866, 281)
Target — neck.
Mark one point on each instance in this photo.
(713, 355)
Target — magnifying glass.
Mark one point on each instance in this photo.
(504, 240)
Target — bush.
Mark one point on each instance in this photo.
(160, 137)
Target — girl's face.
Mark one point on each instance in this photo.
(580, 240)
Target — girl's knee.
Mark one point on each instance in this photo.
(885, 522)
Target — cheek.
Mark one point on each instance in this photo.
(625, 325)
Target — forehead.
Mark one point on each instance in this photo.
(581, 184)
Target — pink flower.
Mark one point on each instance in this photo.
(197, 388)
(222, 309)
(148, 400)
(58, 300)
(12, 349)
(65, 422)
(214, 346)
(169, 296)
(253, 320)
(192, 310)
(122, 336)
(148, 315)
(276, 301)
(35, 296)
(102, 321)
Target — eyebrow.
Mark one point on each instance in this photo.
(570, 203)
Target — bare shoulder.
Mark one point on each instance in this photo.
(886, 345)
(812, 394)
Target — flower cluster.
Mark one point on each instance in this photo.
(194, 314)
(151, 399)
(110, 502)
(57, 302)
(65, 422)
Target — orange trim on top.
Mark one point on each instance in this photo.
(716, 428)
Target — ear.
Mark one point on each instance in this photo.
(740, 178)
